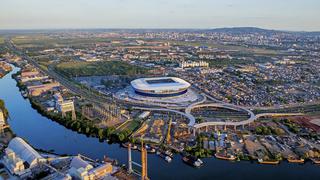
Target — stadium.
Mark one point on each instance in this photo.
(159, 91)
(160, 86)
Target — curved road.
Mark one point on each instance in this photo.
(248, 121)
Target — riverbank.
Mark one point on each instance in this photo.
(80, 125)
(5, 132)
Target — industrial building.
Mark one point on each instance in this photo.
(32, 75)
(160, 86)
(192, 64)
(37, 90)
(20, 156)
(64, 106)
(81, 169)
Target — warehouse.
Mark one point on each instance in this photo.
(20, 156)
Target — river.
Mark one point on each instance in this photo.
(42, 133)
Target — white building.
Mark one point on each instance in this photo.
(63, 105)
(81, 169)
(12, 162)
(20, 156)
(192, 64)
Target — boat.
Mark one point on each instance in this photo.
(165, 157)
(168, 153)
(168, 159)
(261, 161)
(125, 145)
(296, 160)
(150, 149)
(133, 146)
(315, 160)
(193, 161)
(228, 157)
(24, 94)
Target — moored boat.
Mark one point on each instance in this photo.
(228, 157)
(193, 161)
(296, 160)
(261, 161)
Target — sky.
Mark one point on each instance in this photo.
(301, 15)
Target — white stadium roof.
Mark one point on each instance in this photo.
(168, 83)
(24, 151)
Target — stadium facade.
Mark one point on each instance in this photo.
(160, 86)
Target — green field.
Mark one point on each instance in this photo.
(229, 62)
(130, 125)
(126, 129)
(43, 41)
(74, 69)
(3, 48)
(255, 50)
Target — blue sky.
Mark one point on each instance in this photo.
(272, 14)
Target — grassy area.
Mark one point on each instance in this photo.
(254, 50)
(49, 42)
(73, 69)
(1, 40)
(123, 133)
(130, 125)
(229, 62)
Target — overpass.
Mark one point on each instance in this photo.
(245, 122)
(218, 105)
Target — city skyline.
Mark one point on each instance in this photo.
(294, 15)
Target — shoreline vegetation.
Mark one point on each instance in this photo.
(4, 109)
(81, 125)
(7, 132)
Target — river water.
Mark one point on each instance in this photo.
(42, 133)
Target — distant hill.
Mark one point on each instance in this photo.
(230, 30)
(243, 30)
(246, 30)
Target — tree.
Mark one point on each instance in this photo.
(121, 136)
(87, 130)
(200, 120)
(258, 130)
(100, 134)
